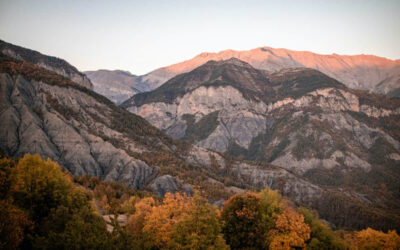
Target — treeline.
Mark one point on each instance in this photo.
(44, 207)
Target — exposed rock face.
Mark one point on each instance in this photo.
(234, 121)
(80, 130)
(241, 116)
(84, 132)
(241, 121)
(55, 64)
(116, 85)
(298, 119)
(365, 72)
(168, 184)
(37, 118)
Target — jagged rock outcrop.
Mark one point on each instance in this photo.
(168, 184)
(55, 64)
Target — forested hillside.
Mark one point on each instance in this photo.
(44, 207)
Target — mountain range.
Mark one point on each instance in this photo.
(296, 118)
(224, 126)
(365, 72)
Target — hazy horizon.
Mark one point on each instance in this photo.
(143, 36)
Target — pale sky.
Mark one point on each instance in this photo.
(141, 36)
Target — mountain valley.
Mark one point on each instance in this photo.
(225, 127)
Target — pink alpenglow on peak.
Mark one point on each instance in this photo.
(366, 72)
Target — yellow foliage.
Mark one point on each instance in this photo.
(160, 222)
(136, 221)
(128, 206)
(29, 176)
(372, 239)
(40, 185)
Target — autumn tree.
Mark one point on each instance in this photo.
(13, 223)
(83, 230)
(5, 179)
(291, 231)
(270, 206)
(322, 236)
(128, 206)
(142, 208)
(372, 239)
(162, 219)
(44, 193)
(13, 220)
(243, 225)
(199, 228)
(179, 222)
(39, 186)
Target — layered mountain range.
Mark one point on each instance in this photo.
(46, 113)
(365, 72)
(116, 85)
(298, 119)
(228, 127)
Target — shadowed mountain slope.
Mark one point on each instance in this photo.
(116, 85)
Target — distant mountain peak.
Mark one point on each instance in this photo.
(367, 72)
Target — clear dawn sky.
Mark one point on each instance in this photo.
(141, 36)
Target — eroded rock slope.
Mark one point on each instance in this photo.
(298, 119)
(51, 63)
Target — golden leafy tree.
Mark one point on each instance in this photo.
(38, 186)
(162, 219)
(199, 228)
(42, 201)
(372, 239)
(142, 208)
(291, 231)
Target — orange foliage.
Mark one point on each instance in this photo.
(372, 239)
(291, 231)
(136, 221)
(160, 222)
